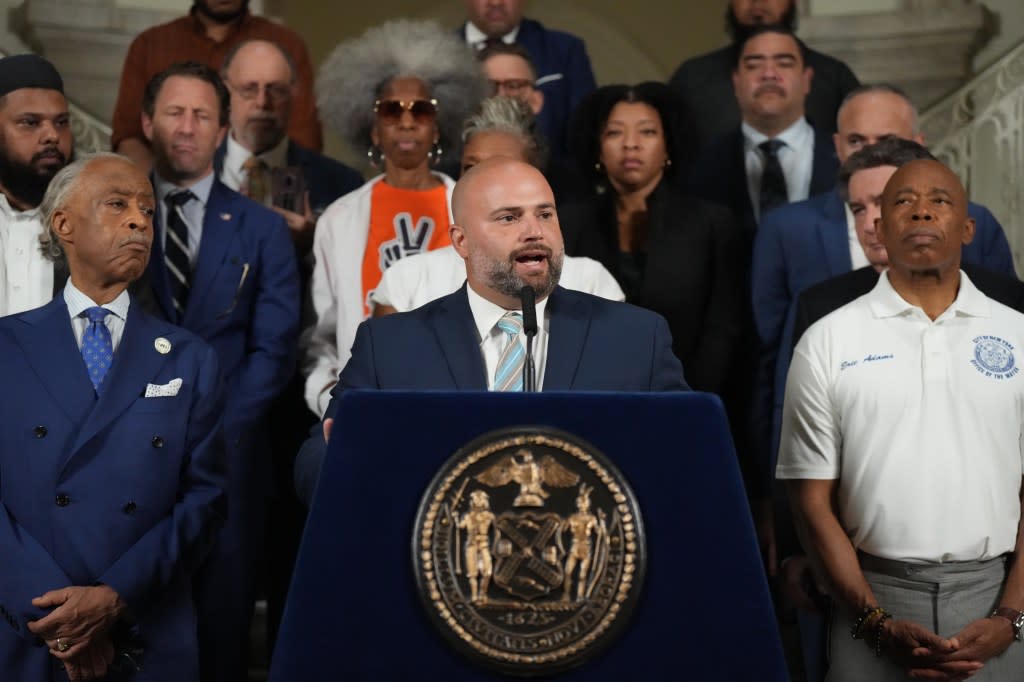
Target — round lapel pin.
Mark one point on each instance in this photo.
(162, 345)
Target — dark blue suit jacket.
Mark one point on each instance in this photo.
(326, 179)
(594, 345)
(244, 301)
(720, 174)
(122, 490)
(799, 245)
(564, 74)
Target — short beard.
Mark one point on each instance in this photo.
(739, 33)
(220, 17)
(501, 275)
(26, 182)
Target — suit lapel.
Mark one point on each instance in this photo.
(136, 360)
(740, 186)
(834, 235)
(569, 325)
(59, 365)
(825, 166)
(456, 332)
(221, 221)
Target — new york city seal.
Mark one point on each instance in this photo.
(528, 550)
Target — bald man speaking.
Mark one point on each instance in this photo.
(506, 229)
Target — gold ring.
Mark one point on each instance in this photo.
(62, 644)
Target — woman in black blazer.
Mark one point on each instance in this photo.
(675, 254)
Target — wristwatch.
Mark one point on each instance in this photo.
(1016, 619)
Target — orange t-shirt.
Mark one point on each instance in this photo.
(403, 222)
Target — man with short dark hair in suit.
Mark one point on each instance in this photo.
(774, 156)
(259, 160)
(564, 74)
(507, 231)
(35, 143)
(111, 452)
(704, 83)
(223, 267)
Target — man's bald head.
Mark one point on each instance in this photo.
(924, 222)
(506, 229)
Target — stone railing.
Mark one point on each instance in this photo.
(979, 132)
(91, 134)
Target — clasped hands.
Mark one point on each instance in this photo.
(77, 629)
(927, 656)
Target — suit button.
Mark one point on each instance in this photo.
(158, 442)
(129, 508)
(63, 500)
(40, 431)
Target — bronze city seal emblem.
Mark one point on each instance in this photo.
(529, 550)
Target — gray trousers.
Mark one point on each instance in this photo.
(941, 597)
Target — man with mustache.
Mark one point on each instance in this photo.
(704, 84)
(111, 452)
(259, 159)
(774, 156)
(35, 143)
(506, 230)
(901, 451)
(206, 34)
(223, 267)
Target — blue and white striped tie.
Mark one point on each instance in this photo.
(509, 375)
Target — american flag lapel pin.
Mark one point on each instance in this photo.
(225, 216)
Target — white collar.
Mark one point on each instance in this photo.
(78, 302)
(201, 188)
(236, 155)
(486, 314)
(475, 37)
(794, 136)
(885, 301)
(9, 211)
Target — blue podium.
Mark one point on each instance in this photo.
(353, 611)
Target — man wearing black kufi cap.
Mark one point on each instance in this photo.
(35, 143)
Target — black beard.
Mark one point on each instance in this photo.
(25, 182)
(739, 33)
(220, 17)
(504, 279)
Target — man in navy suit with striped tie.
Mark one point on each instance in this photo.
(224, 268)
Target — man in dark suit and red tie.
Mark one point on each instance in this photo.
(224, 268)
(111, 457)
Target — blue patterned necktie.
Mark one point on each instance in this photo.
(509, 375)
(97, 347)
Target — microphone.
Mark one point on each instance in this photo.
(528, 298)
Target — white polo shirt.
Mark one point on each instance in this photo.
(919, 420)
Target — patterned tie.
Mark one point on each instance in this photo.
(509, 375)
(257, 180)
(97, 348)
(773, 182)
(176, 249)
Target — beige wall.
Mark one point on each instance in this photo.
(621, 38)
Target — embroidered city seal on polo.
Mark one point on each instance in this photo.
(994, 357)
(529, 550)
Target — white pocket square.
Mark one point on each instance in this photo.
(163, 390)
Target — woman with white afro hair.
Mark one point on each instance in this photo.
(399, 93)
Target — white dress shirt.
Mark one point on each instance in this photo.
(195, 211)
(477, 39)
(796, 157)
(235, 156)
(78, 302)
(857, 256)
(26, 275)
(492, 339)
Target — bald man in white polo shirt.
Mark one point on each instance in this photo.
(901, 443)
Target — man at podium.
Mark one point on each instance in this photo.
(510, 316)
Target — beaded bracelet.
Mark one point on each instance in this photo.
(878, 632)
(868, 614)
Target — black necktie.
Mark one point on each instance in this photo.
(176, 250)
(773, 182)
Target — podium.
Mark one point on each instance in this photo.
(354, 613)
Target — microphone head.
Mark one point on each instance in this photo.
(528, 297)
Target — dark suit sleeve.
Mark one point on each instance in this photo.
(995, 250)
(666, 370)
(182, 539)
(359, 372)
(802, 319)
(273, 331)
